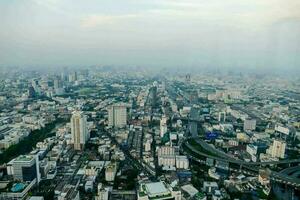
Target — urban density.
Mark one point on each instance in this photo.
(99, 133)
(149, 99)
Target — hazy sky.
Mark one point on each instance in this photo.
(161, 33)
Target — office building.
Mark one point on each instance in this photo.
(79, 130)
(153, 96)
(31, 92)
(117, 115)
(25, 168)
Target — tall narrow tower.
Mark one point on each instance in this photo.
(79, 130)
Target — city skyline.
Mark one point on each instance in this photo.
(144, 100)
(127, 134)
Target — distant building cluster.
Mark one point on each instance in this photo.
(107, 134)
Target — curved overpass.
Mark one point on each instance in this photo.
(281, 177)
(228, 158)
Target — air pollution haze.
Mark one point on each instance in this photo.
(248, 34)
(149, 99)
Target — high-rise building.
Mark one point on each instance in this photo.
(73, 76)
(36, 86)
(79, 130)
(58, 86)
(193, 125)
(57, 83)
(163, 126)
(278, 149)
(153, 96)
(249, 124)
(222, 116)
(25, 168)
(31, 92)
(117, 115)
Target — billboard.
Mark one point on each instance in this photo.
(211, 135)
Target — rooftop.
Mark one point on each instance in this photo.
(24, 158)
(156, 188)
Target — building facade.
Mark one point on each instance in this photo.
(79, 130)
(117, 116)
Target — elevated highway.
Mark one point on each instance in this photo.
(221, 154)
(246, 167)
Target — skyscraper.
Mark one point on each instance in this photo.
(117, 115)
(31, 92)
(153, 96)
(79, 130)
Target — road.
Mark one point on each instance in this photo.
(276, 176)
(137, 164)
(221, 154)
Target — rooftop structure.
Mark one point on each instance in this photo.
(157, 191)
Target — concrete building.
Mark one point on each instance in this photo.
(79, 130)
(23, 194)
(168, 162)
(210, 187)
(117, 115)
(182, 162)
(249, 124)
(158, 191)
(222, 117)
(89, 185)
(255, 150)
(277, 150)
(110, 172)
(102, 193)
(166, 150)
(163, 126)
(153, 96)
(25, 168)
